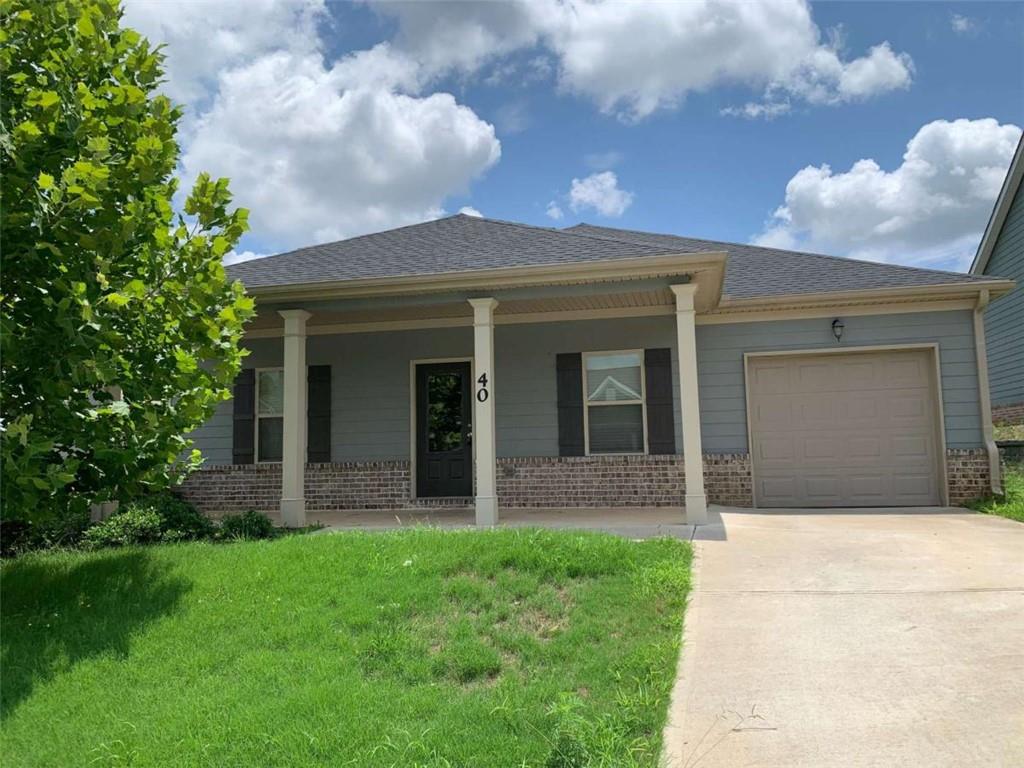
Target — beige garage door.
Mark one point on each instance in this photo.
(844, 430)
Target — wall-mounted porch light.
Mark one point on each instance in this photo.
(837, 329)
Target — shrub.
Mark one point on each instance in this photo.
(127, 528)
(61, 530)
(248, 525)
(179, 520)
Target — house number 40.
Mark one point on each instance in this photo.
(482, 394)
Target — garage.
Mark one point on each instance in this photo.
(850, 429)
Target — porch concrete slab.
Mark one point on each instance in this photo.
(853, 638)
(632, 522)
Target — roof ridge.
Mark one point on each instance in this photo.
(554, 230)
(783, 250)
(519, 225)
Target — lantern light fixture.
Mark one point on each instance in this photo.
(837, 329)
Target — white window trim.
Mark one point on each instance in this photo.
(258, 415)
(587, 404)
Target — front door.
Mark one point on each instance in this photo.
(444, 451)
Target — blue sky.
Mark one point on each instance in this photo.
(337, 119)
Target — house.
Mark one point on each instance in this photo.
(487, 364)
(1001, 252)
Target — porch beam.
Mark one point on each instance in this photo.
(293, 460)
(484, 443)
(693, 457)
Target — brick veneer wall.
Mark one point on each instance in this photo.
(1008, 414)
(728, 479)
(341, 485)
(592, 481)
(967, 473)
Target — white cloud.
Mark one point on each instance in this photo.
(460, 37)
(316, 160)
(962, 25)
(929, 211)
(753, 110)
(468, 210)
(600, 191)
(554, 211)
(207, 37)
(317, 150)
(633, 59)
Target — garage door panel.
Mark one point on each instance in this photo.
(869, 448)
(777, 449)
(917, 447)
(773, 380)
(907, 485)
(855, 429)
(862, 408)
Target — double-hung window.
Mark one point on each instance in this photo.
(269, 414)
(614, 410)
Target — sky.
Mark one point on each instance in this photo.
(873, 130)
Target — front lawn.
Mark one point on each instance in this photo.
(1011, 504)
(412, 648)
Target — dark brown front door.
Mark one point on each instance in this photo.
(444, 453)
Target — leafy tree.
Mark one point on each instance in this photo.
(105, 290)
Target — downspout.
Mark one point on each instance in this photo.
(983, 393)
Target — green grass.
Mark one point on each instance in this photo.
(412, 648)
(1009, 431)
(1011, 504)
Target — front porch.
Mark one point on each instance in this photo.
(549, 389)
(630, 522)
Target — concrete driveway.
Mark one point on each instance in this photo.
(853, 639)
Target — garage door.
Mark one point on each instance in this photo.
(844, 430)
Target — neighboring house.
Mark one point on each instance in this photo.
(1001, 253)
(488, 364)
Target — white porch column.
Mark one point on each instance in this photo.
(293, 464)
(693, 458)
(484, 450)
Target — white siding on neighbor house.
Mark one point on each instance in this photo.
(370, 376)
(1004, 318)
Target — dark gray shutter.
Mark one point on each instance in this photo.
(570, 404)
(661, 422)
(318, 414)
(243, 442)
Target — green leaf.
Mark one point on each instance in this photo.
(117, 299)
(107, 283)
(27, 130)
(43, 99)
(84, 26)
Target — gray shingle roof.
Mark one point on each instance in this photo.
(753, 271)
(454, 244)
(464, 243)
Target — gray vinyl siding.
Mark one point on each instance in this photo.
(526, 414)
(370, 376)
(720, 351)
(214, 438)
(1004, 319)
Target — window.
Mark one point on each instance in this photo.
(269, 414)
(615, 415)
